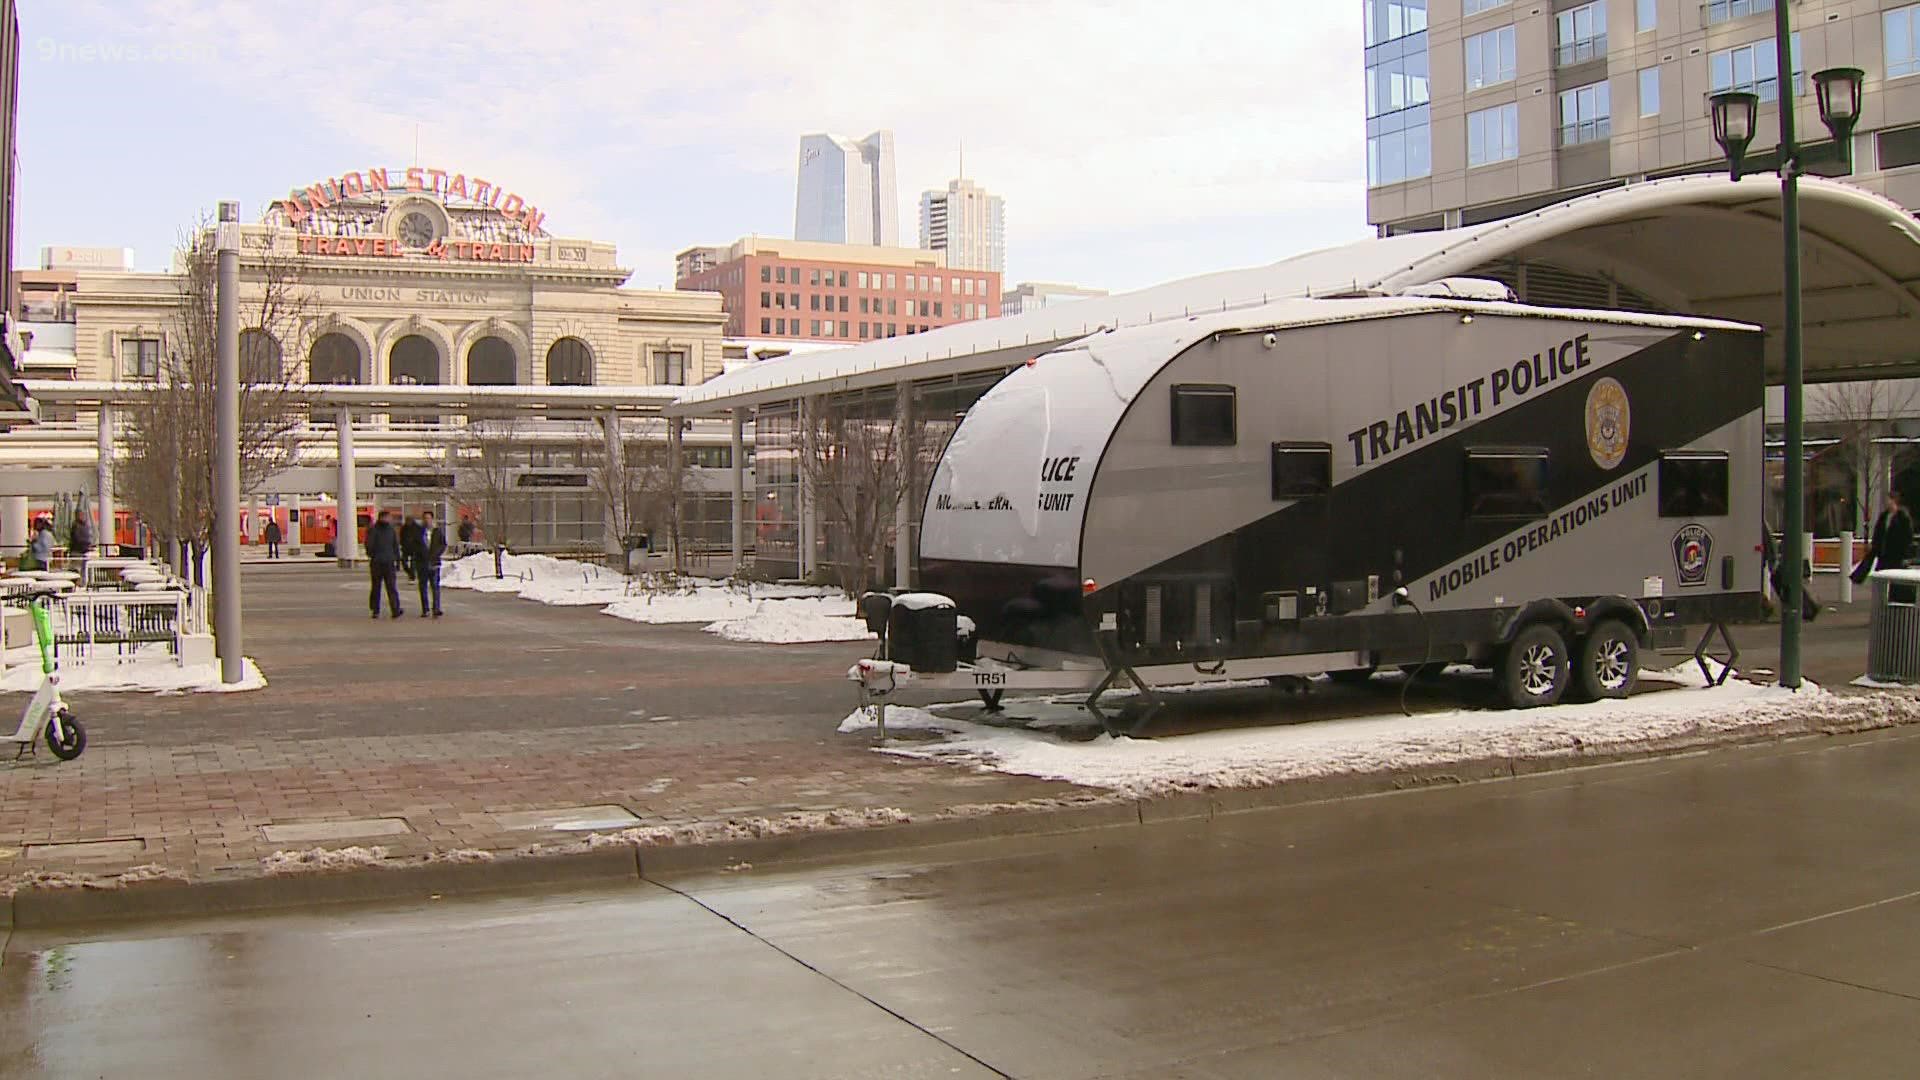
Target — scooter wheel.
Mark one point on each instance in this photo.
(68, 748)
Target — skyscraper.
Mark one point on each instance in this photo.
(846, 191)
(967, 223)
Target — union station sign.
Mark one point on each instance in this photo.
(415, 180)
(348, 215)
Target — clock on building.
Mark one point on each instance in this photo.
(417, 229)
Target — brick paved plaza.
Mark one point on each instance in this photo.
(451, 727)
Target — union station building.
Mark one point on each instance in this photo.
(424, 294)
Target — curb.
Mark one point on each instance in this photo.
(39, 908)
(32, 908)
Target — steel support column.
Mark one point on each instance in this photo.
(739, 487)
(103, 537)
(226, 471)
(346, 543)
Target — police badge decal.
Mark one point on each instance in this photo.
(1608, 417)
(1692, 549)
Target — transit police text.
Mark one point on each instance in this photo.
(1468, 401)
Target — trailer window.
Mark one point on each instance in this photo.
(1507, 483)
(1302, 470)
(1693, 483)
(1203, 415)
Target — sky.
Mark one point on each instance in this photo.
(1134, 142)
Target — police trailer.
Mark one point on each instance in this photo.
(1341, 485)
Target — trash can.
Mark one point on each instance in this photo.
(1893, 629)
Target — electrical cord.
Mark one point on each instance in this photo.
(1402, 596)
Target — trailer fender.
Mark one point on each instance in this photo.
(1616, 607)
(1552, 612)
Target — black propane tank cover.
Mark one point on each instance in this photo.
(923, 632)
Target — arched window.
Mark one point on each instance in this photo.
(569, 363)
(490, 362)
(414, 361)
(261, 361)
(334, 358)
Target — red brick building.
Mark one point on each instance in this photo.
(805, 291)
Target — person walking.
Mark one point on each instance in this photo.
(383, 564)
(410, 545)
(271, 534)
(1892, 545)
(80, 537)
(433, 548)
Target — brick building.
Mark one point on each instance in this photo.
(807, 291)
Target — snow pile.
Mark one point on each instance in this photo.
(759, 828)
(708, 601)
(158, 675)
(543, 578)
(792, 621)
(1391, 742)
(316, 860)
(61, 879)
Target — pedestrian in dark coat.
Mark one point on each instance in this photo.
(1892, 545)
(272, 537)
(383, 563)
(433, 548)
(80, 537)
(410, 534)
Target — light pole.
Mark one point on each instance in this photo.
(1733, 125)
(226, 449)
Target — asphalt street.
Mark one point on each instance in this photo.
(1749, 912)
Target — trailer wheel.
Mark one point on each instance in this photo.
(1351, 676)
(1535, 670)
(1609, 662)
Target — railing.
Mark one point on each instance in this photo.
(1719, 11)
(1586, 131)
(87, 624)
(1579, 52)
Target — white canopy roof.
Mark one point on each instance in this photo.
(1702, 245)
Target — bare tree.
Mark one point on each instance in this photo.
(855, 462)
(1859, 413)
(167, 474)
(486, 459)
(636, 485)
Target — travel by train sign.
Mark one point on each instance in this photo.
(385, 247)
(302, 203)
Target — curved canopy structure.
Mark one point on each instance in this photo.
(1694, 245)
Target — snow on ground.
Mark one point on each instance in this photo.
(783, 614)
(796, 620)
(1385, 741)
(156, 675)
(566, 582)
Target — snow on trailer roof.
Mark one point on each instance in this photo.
(1696, 243)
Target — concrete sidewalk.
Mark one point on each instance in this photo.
(472, 737)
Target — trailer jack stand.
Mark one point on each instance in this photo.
(1139, 719)
(1703, 652)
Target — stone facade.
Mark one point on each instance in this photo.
(375, 290)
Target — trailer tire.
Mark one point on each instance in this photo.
(1351, 676)
(1534, 670)
(1609, 662)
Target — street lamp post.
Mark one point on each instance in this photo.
(1733, 126)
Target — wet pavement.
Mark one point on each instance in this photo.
(1749, 912)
